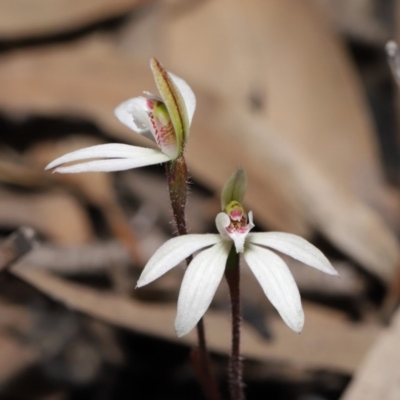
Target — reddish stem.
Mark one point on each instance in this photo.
(177, 177)
(232, 275)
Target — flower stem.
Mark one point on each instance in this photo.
(177, 177)
(201, 363)
(232, 275)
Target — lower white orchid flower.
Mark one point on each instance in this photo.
(207, 268)
(165, 119)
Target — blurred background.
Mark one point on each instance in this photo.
(299, 93)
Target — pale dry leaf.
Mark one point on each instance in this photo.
(16, 355)
(311, 122)
(315, 348)
(16, 358)
(378, 375)
(57, 215)
(21, 19)
(360, 19)
(84, 79)
(276, 79)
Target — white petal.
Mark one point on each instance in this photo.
(110, 150)
(187, 94)
(134, 114)
(116, 164)
(199, 285)
(116, 151)
(172, 253)
(294, 246)
(278, 284)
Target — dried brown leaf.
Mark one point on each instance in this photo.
(379, 374)
(360, 19)
(21, 19)
(317, 347)
(307, 143)
(278, 96)
(55, 214)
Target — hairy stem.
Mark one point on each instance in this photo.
(232, 275)
(201, 363)
(177, 177)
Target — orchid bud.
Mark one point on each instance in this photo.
(235, 188)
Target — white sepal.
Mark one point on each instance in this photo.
(118, 156)
(187, 94)
(295, 247)
(199, 285)
(172, 252)
(277, 283)
(116, 164)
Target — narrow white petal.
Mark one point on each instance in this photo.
(133, 114)
(172, 253)
(199, 285)
(277, 283)
(119, 157)
(116, 164)
(294, 246)
(187, 94)
(110, 150)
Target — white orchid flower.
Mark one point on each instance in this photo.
(206, 270)
(165, 119)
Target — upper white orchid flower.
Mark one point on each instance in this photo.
(205, 272)
(166, 119)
